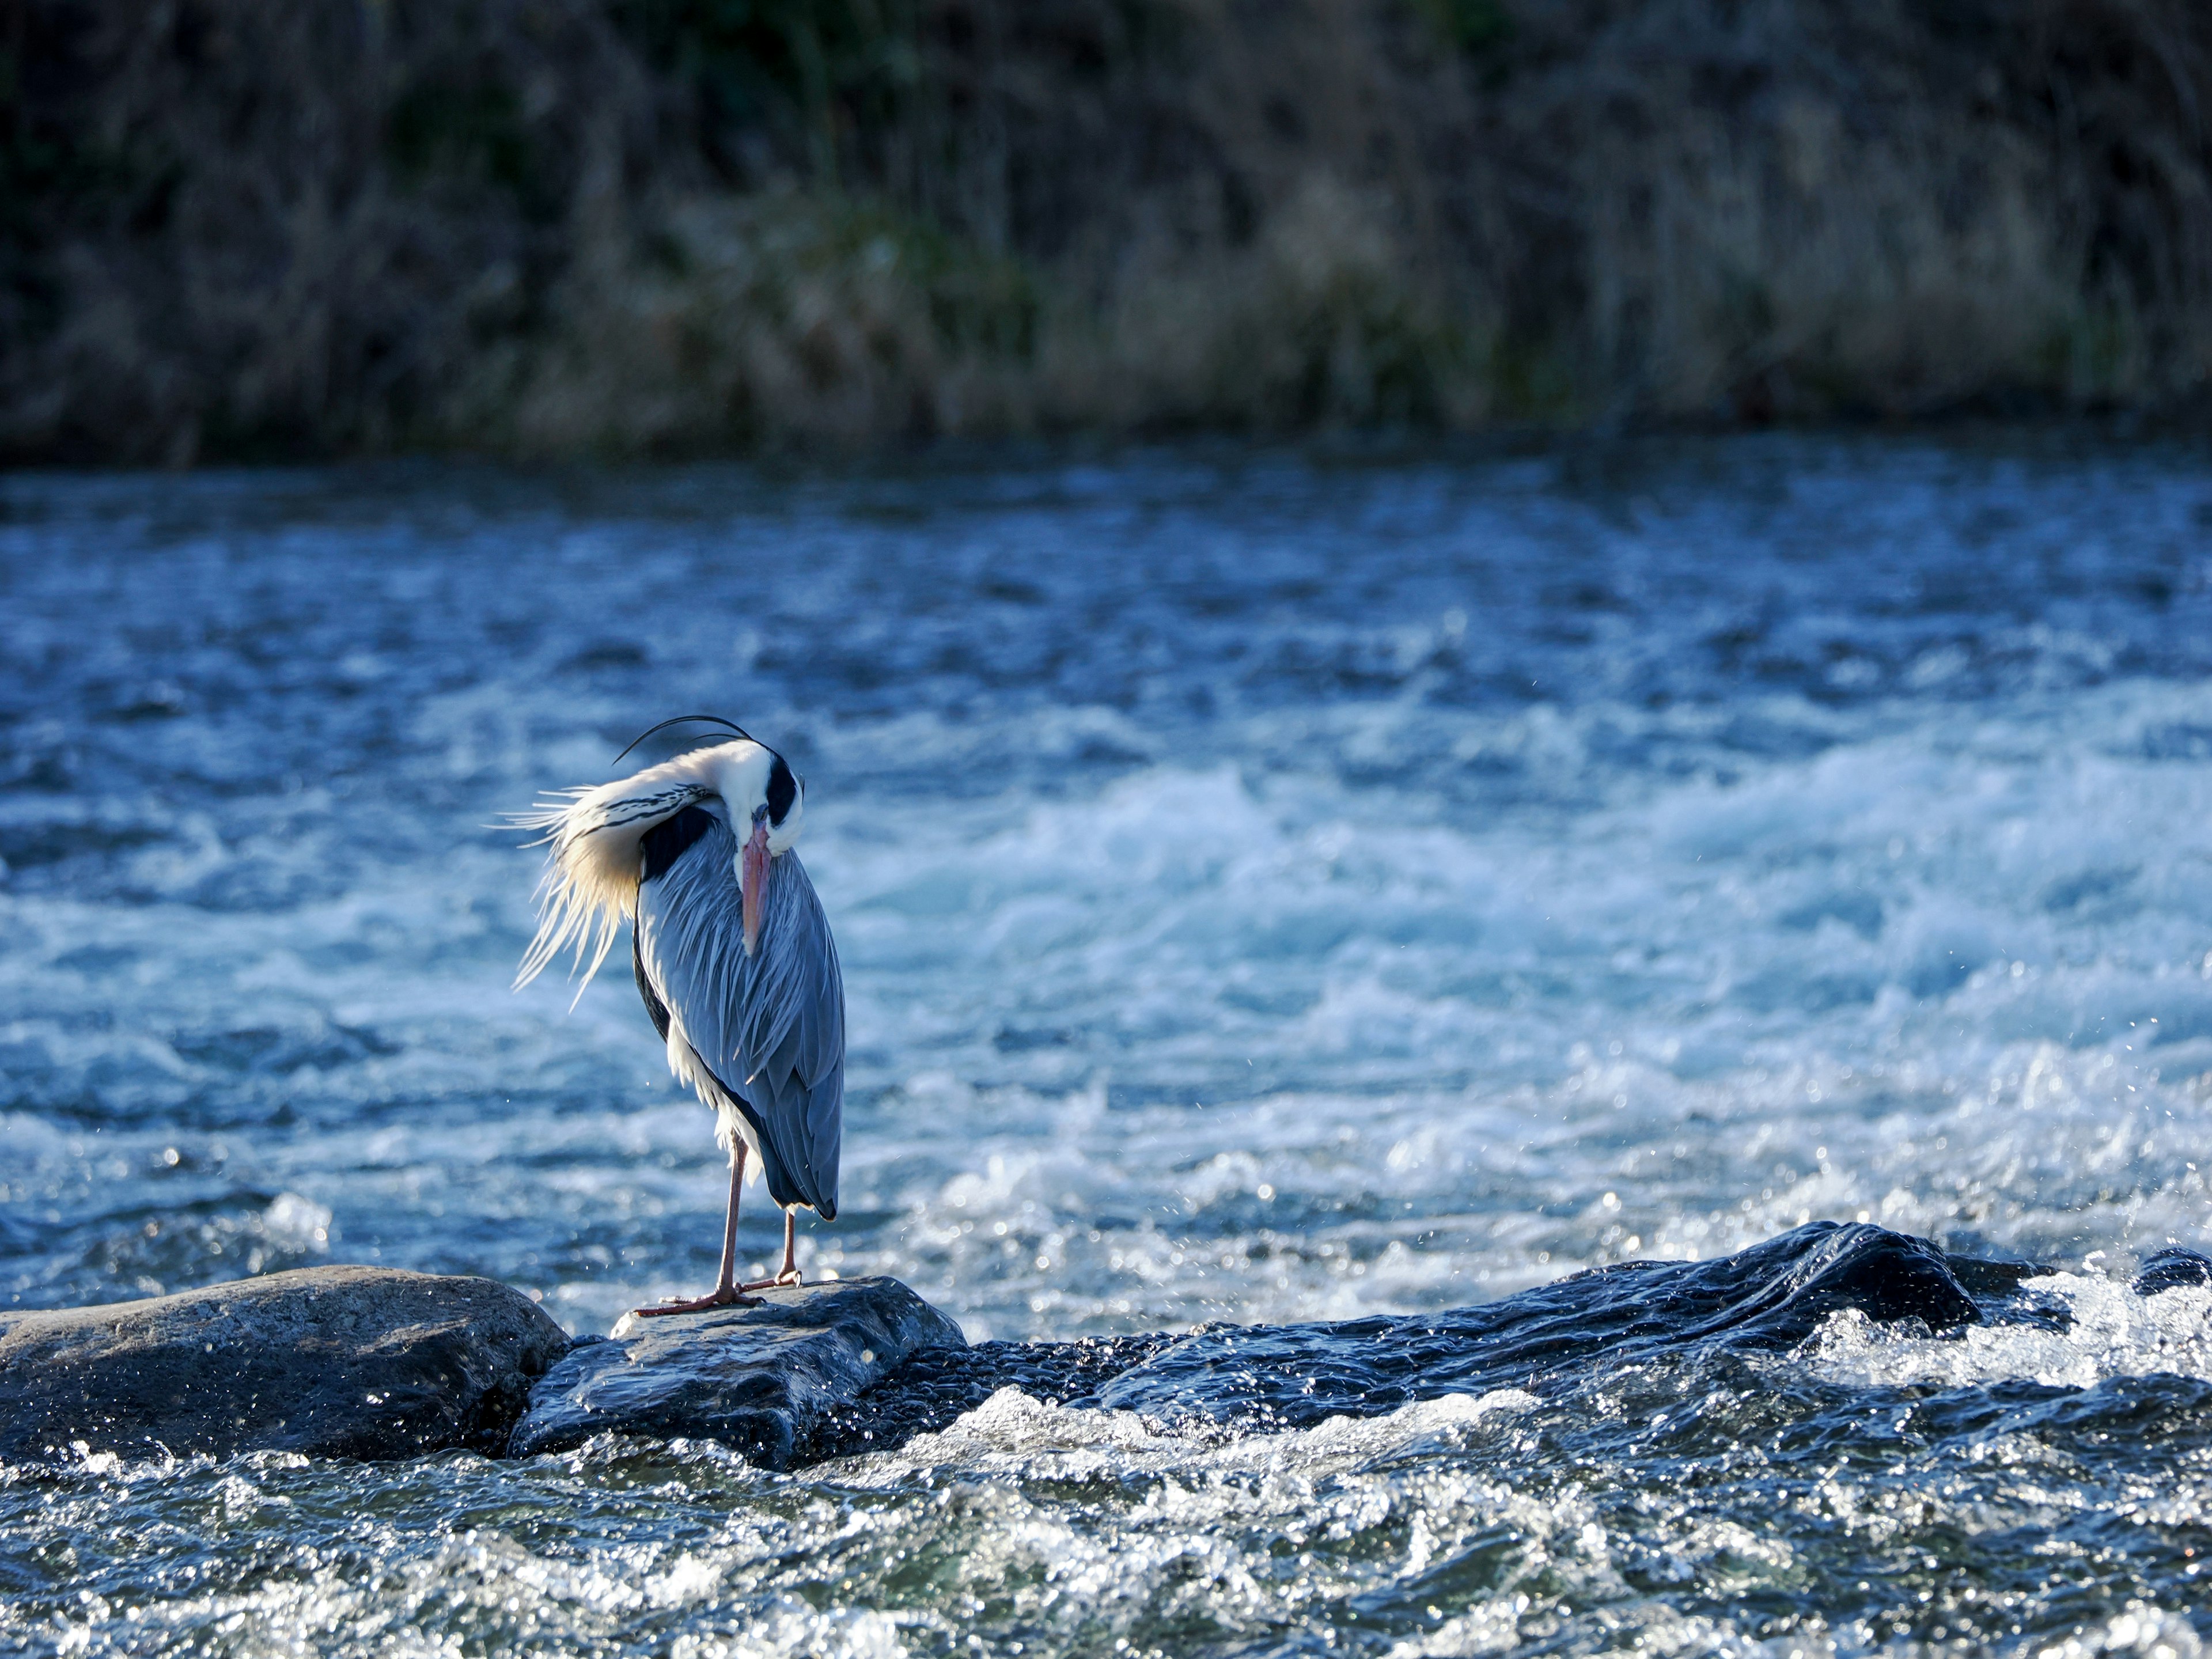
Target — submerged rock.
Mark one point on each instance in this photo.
(764, 1380)
(930, 1391)
(333, 1362)
(2170, 1268)
(1772, 1295)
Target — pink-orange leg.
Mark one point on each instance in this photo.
(726, 1293)
(788, 1273)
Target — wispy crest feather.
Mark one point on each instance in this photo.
(592, 864)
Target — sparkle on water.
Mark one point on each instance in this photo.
(1268, 889)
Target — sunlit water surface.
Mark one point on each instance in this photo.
(1268, 891)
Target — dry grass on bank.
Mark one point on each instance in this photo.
(627, 226)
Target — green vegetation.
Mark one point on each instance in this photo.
(830, 64)
(444, 131)
(1473, 26)
(683, 227)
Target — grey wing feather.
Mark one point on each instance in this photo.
(771, 1027)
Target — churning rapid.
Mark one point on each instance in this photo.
(1268, 891)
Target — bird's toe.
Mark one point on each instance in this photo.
(726, 1296)
(782, 1281)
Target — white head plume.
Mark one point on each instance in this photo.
(594, 840)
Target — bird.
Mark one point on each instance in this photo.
(733, 955)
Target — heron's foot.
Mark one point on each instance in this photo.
(788, 1276)
(724, 1296)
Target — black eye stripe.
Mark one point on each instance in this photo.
(782, 790)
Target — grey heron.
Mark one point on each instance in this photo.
(733, 955)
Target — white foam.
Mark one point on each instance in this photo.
(2114, 1333)
(1386, 982)
(1885, 966)
(1014, 1432)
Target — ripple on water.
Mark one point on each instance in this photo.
(1267, 892)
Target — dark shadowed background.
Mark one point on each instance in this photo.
(650, 227)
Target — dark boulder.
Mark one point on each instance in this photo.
(2170, 1268)
(332, 1362)
(1770, 1296)
(766, 1380)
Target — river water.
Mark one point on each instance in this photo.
(1270, 888)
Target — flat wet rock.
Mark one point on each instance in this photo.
(332, 1362)
(767, 1381)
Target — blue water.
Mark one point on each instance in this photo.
(1269, 890)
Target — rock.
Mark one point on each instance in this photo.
(1772, 1295)
(2170, 1268)
(762, 1380)
(938, 1386)
(333, 1362)
(1981, 1276)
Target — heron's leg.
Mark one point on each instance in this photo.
(726, 1293)
(727, 1282)
(788, 1273)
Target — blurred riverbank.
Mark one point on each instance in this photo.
(249, 230)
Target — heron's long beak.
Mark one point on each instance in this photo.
(756, 872)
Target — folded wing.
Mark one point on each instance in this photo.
(770, 1028)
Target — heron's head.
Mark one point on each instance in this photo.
(594, 837)
(764, 796)
(766, 802)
